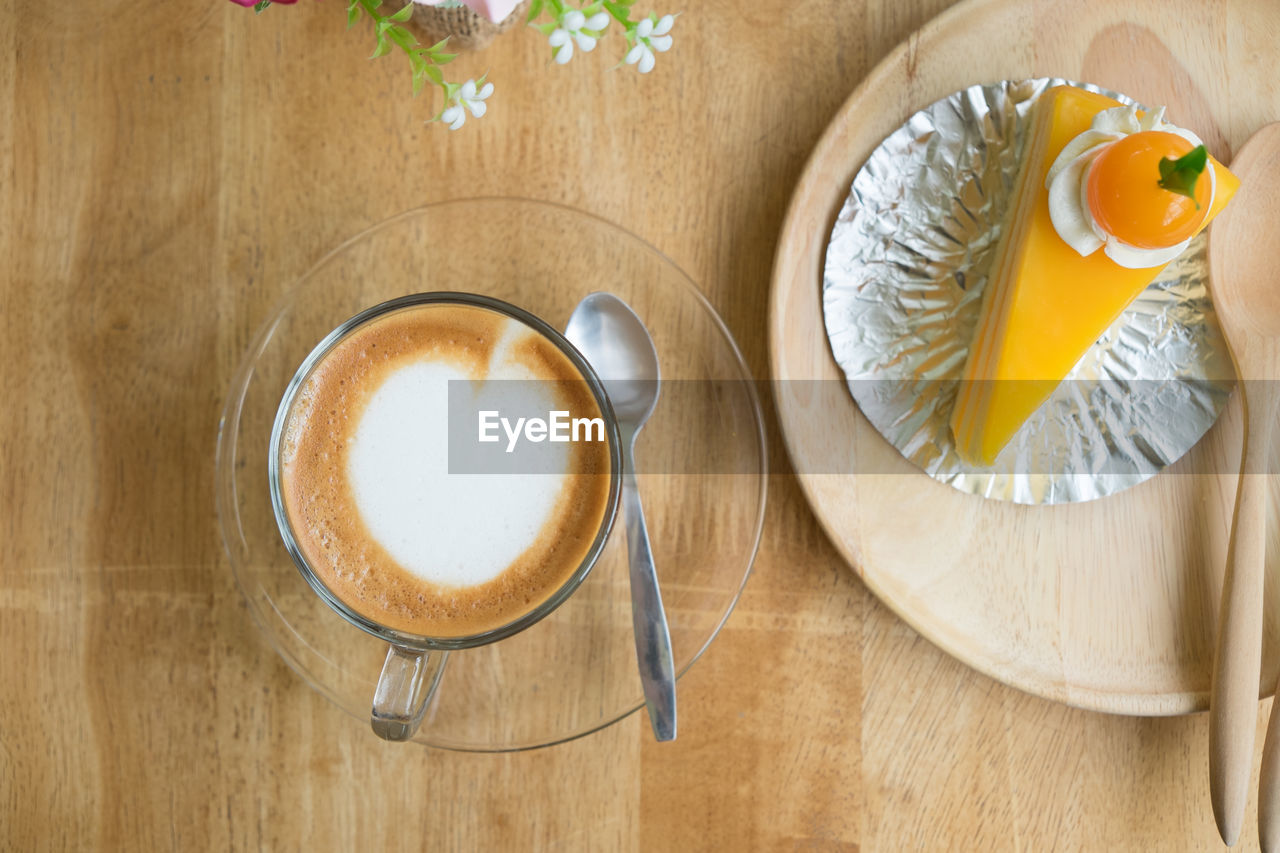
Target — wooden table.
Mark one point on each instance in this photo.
(165, 171)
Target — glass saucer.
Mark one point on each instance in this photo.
(701, 460)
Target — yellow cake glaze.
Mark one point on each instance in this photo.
(1045, 304)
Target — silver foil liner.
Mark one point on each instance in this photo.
(905, 269)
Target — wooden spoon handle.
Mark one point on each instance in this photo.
(1233, 703)
(1269, 783)
(1269, 777)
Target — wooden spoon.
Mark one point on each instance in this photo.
(1244, 266)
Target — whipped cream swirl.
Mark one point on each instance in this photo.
(1068, 180)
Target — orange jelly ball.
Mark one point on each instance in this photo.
(1126, 199)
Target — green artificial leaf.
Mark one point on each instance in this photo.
(439, 45)
(403, 38)
(1180, 176)
(618, 9)
(353, 12)
(436, 75)
(404, 14)
(260, 5)
(382, 47)
(535, 9)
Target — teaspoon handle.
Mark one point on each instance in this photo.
(653, 638)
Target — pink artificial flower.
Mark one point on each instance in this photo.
(495, 10)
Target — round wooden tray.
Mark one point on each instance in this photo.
(1109, 605)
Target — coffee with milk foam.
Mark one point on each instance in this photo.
(368, 491)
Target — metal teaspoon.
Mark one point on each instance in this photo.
(619, 349)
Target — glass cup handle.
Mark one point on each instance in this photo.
(408, 681)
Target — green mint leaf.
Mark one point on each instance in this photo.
(1180, 176)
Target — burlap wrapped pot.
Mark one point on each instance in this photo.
(466, 29)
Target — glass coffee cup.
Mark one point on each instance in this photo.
(428, 558)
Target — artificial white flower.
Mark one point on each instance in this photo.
(467, 96)
(571, 29)
(650, 37)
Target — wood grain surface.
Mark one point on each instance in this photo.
(166, 169)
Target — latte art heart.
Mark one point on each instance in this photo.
(422, 514)
(377, 512)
